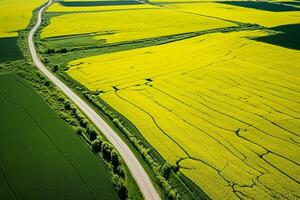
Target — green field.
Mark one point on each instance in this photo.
(40, 157)
(286, 36)
(9, 49)
(267, 6)
(75, 41)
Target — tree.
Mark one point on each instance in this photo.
(121, 172)
(106, 150)
(166, 170)
(79, 131)
(50, 51)
(172, 194)
(67, 105)
(91, 133)
(96, 146)
(122, 191)
(64, 50)
(47, 83)
(121, 188)
(114, 159)
(175, 168)
(55, 68)
(45, 60)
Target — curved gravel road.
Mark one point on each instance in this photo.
(138, 172)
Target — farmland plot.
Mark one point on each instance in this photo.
(128, 25)
(15, 15)
(40, 156)
(58, 7)
(227, 113)
(9, 49)
(238, 13)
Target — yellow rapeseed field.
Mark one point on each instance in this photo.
(15, 15)
(223, 107)
(237, 13)
(57, 7)
(194, 1)
(127, 25)
(85, 0)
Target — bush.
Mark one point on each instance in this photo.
(96, 146)
(122, 191)
(172, 194)
(50, 51)
(64, 116)
(121, 188)
(61, 99)
(91, 132)
(115, 161)
(64, 50)
(121, 172)
(83, 123)
(47, 83)
(175, 168)
(55, 68)
(45, 60)
(80, 131)
(67, 105)
(106, 151)
(166, 170)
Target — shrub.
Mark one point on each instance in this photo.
(50, 51)
(64, 50)
(96, 146)
(83, 123)
(172, 194)
(64, 116)
(47, 83)
(91, 132)
(61, 98)
(175, 168)
(166, 170)
(106, 151)
(122, 191)
(115, 161)
(121, 188)
(121, 172)
(80, 131)
(67, 105)
(55, 68)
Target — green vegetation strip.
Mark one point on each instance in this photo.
(9, 49)
(286, 36)
(61, 55)
(292, 3)
(36, 145)
(267, 6)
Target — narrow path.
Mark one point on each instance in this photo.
(138, 172)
